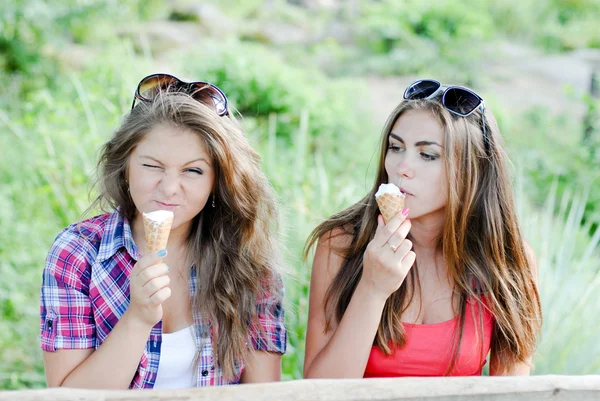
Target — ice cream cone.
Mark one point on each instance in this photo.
(389, 205)
(390, 200)
(157, 226)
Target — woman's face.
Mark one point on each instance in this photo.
(171, 169)
(414, 162)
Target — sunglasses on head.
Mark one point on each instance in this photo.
(456, 99)
(208, 94)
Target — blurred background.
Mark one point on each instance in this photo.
(314, 81)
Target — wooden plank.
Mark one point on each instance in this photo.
(556, 388)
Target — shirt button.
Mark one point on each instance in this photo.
(205, 373)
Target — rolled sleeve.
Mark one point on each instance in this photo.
(66, 318)
(270, 334)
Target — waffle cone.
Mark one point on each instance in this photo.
(157, 233)
(390, 205)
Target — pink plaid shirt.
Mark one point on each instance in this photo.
(85, 291)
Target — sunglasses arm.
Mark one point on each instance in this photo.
(485, 138)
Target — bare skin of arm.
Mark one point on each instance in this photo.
(111, 366)
(114, 363)
(343, 351)
(261, 367)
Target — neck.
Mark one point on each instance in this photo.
(425, 232)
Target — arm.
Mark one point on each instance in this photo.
(518, 369)
(521, 368)
(115, 362)
(111, 366)
(262, 366)
(267, 338)
(343, 352)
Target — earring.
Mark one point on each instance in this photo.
(213, 201)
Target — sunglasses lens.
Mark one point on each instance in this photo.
(151, 86)
(421, 90)
(211, 96)
(203, 92)
(461, 101)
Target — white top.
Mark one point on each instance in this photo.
(175, 367)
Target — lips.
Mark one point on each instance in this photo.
(405, 192)
(167, 206)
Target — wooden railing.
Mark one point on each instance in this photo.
(572, 388)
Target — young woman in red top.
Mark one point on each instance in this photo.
(449, 278)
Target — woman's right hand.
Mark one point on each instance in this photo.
(388, 257)
(149, 288)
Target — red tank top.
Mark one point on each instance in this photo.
(429, 348)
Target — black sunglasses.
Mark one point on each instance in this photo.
(150, 86)
(456, 99)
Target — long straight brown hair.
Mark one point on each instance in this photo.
(480, 242)
(233, 246)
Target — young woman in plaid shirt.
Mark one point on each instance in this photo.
(205, 311)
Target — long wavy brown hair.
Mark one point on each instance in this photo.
(480, 241)
(233, 247)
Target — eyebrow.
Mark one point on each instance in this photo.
(420, 143)
(201, 159)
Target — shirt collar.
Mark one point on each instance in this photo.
(117, 235)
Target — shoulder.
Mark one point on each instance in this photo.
(332, 249)
(75, 249)
(338, 240)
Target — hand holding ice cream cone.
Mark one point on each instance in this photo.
(149, 279)
(389, 256)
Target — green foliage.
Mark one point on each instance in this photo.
(33, 31)
(391, 24)
(259, 83)
(410, 36)
(552, 150)
(569, 273)
(556, 25)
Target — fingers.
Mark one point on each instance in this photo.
(383, 234)
(147, 261)
(399, 237)
(160, 296)
(155, 285)
(402, 249)
(150, 273)
(409, 259)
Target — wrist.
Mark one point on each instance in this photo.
(131, 321)
(369, 291)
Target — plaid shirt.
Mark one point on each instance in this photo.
(85, 291)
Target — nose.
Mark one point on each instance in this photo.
(404, 168)
(169, 184)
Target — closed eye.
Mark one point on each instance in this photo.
(428, 157)
(150, 166)
(195, 171)
(395, 148)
